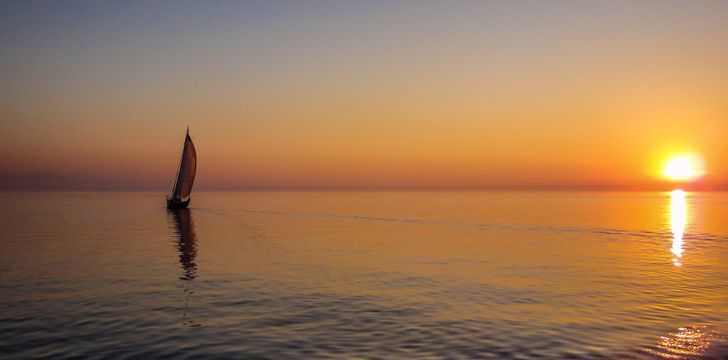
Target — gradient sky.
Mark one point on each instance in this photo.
(364, 93)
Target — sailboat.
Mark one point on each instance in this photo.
(179, 198)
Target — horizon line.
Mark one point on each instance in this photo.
(61, 183)
(555, 188)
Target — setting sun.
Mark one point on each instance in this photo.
(685, 167)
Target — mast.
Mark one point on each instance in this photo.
(186, 171)
(179, 167)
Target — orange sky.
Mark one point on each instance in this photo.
(564, 94)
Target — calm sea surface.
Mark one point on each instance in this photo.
(509, 275)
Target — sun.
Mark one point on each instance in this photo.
(687, 167)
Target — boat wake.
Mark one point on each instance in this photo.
(647, 234)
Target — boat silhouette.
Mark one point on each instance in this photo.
(179, 198)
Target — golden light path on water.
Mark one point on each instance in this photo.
(689, 341)
(678, 220)
(686, 342)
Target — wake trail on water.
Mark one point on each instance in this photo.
(644, 234)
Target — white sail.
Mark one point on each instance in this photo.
(186, 174)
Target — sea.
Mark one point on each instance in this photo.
(364, 275)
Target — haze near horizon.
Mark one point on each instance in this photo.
(526, 94)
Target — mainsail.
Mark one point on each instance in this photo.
(186, 173)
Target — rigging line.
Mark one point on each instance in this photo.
(179, 167)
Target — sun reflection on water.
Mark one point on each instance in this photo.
(686, 342)
(678, 220)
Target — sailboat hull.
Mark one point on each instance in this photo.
(173, 204)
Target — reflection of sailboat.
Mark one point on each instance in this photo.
(186, 242)
(678, 220)
(182, 188)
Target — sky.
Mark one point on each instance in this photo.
(363, 94)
